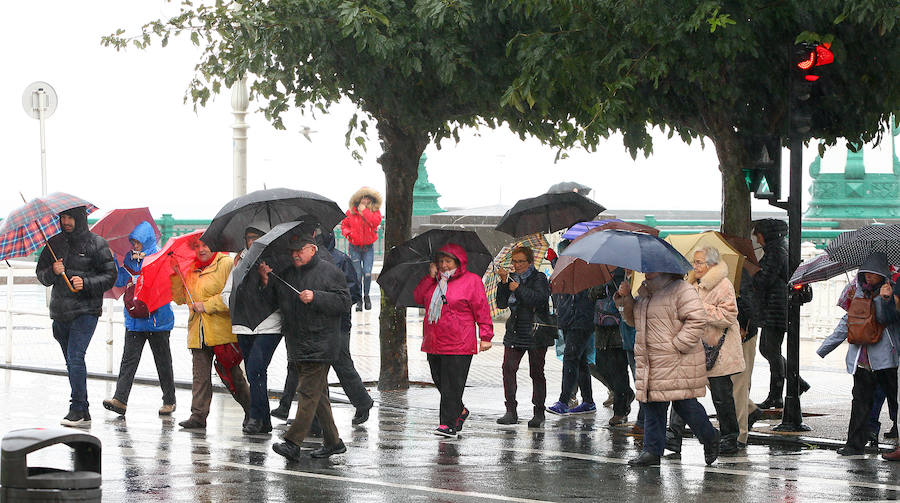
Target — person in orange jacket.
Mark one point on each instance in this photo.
(360, 227)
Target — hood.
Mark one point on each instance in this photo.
(79, 213)
(772, 229)
(876, 263)
(365, 191)
(143, 233)
(459, 253)
(713, 276)
(260, 225)
(326, 240)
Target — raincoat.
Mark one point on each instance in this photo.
(214, 326)
(161, 320)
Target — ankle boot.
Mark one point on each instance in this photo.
(511, 417)
(538, 418)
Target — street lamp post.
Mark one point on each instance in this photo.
(39, 101)
(240, 100)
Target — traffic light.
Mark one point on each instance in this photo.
(764, 175)
(801, 293)
(808, 58)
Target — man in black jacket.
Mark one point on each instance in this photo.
(84, 258)
(311, 305)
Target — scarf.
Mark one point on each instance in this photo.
(202, 265)
(439, 297)
(520, 279)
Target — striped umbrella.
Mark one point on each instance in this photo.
(818, 268)
(854, 247)
(28, 227)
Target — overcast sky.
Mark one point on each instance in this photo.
(122, 136)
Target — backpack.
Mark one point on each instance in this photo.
(136, 308)
(861, 325)
(606, 313)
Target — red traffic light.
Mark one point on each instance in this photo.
(820, 56)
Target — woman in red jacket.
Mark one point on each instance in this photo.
(360, 227)
(455, 302)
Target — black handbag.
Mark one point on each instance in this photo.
(712, 352)
(544, 329)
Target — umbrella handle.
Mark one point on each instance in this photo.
(184, 283)
(55, 259)
(285, 282)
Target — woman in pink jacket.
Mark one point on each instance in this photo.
(455, 302)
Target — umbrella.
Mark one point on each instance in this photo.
(572, 275)
(115, 226)
(27, 228)
(271, 206)
(548, 213)
(406, 264)
(539, 246)
(745, 246)
(568, 187)
(613, 223)
(818, 268)
(686, 243)
(629, 250)
(153, 286)
(854, 247)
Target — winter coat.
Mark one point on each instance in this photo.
(747, 312)
(345, 264)
(608, 337)
(213, 327)
(575, 312)
(249, 292)
(532, 295)
(361, 229)
(161, 320)
(883, 354)
(717, 295)
(770, 283)
(83, 254)
(312, 332)
(466, 306)
(670, 362)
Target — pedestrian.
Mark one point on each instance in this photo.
(360, 227)
(526, 292)
(722, 346)
(869, 328)
(747, 411)
(257, 344)
(455, 302)
(611, 361)
(142, 326)
(85, 259)
(628, 334)
(671, 366)
(209, 332)
(312, 298)
(770, 289)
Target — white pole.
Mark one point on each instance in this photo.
(10, 278)
(42, 103)
(240, 100)
(109, 335)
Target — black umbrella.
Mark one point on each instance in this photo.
(569, 187)
(405, 265)
(854, 247)
(818, 268)
(548, 213)
(271, 207)
(248, 306)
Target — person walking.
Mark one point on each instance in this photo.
(360, 227)
(869, 329)
(671, 367)
(85, 259)
(312, 298)
(209, 331)
(257, 344)
(611, 361)
(722, 345)
(747, 411)
(455, 302)
(143, 327)
(770, 289)
(526, 292)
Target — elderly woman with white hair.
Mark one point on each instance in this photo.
(722, 343)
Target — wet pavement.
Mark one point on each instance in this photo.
(394, 457)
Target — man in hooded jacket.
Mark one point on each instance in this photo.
(85, 259)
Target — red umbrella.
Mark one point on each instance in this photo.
(115, 226)
(153, 286)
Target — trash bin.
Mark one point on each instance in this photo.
(20, 482)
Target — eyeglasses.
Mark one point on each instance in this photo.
(699, 263)
(514, 261)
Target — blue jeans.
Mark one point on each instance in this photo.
(73, 337)
(363, 257)
(257, 351)
(575, 365)
(655, 415)
(877, 404)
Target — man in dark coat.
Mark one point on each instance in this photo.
(770, 293)
(311, 310)
(85, 259)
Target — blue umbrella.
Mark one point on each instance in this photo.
(582, 227)
(629, 250)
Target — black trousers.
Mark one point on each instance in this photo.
(864, 382)
(723, 400)
(449, 373)
(612, 365)
(131, 357)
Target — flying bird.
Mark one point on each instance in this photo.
(306, 131)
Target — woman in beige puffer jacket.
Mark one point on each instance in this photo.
(671, 367)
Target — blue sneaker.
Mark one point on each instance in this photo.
(558, 408)
(584, 408)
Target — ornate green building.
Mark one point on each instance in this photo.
(424, 194)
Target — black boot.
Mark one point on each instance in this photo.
(368, 303)
(511, 417)
(753, 417)
(711, 449)
(538, 418)
(728, 445)
(776, 392)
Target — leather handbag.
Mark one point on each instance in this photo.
(712, 352)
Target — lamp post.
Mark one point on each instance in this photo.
(39, 101)
(240, 100)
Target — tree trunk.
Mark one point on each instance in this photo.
(400, 162)
(733, 158)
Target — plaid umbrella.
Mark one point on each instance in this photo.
(27, 228)
(854, 247)
(818, 268)
(538, 244)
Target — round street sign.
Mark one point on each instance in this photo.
(39, 95)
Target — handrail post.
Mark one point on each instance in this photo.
(109, 335)
(10, 285)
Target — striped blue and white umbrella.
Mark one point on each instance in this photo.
(852, 248)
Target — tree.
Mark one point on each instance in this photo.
(420, 70)
(713, 69)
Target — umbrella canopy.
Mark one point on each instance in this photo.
(852, 248)
(581, 228)
(569, 187)
(265, 209)
(153, 286)
(539, 246)
(406, 264)
(572, 275)
(818, 268)
(629, 250)
(548, 213)
(115, 226)
(28, 227)
(686, 243)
